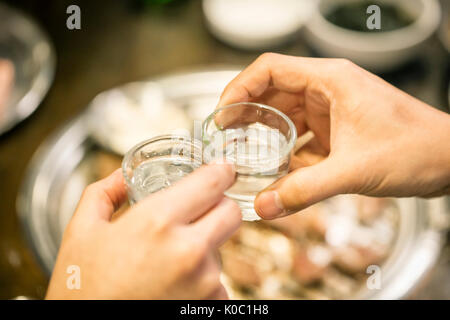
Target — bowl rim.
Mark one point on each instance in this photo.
(31, 34)
(418, 31)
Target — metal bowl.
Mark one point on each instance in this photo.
(63, 166)
(23, 43)
(380, 51)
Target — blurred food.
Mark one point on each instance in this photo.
(310, 263)
(121, 118)
(239, 266)
(354, 260)
(6, 83)
(105, 163)
(370, 209)
(302, 256)
(310, 222)
(405, 26)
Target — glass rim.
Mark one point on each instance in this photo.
(289, 146)
(178, 137)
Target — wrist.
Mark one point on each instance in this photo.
(437, 148)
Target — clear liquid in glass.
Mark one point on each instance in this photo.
(158, 173)
(255, 151)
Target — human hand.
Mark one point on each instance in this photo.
(6, 83)
(161, 248)
(370, 137)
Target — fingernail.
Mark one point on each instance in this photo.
(269, 205)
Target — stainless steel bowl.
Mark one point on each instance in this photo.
(61, 169)
(28, 48)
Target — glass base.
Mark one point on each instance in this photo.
(247, 210)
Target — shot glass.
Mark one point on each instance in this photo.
(158, 163)
(258, 139)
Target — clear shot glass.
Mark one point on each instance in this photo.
(258, 139)
(158, 163)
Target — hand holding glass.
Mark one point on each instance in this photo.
(258, 139)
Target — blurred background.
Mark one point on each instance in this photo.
(73, 101)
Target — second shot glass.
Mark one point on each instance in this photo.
(158, 163)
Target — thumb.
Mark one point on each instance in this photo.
(300, 189)
(102, 198)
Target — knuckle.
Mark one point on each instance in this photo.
(294, 196)
(267, 56)
(226, 175)
(346, 63)
(227, 88)
(160, 225)
(91, 189)
(92, 192)
(215, 179)
(304, 196)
